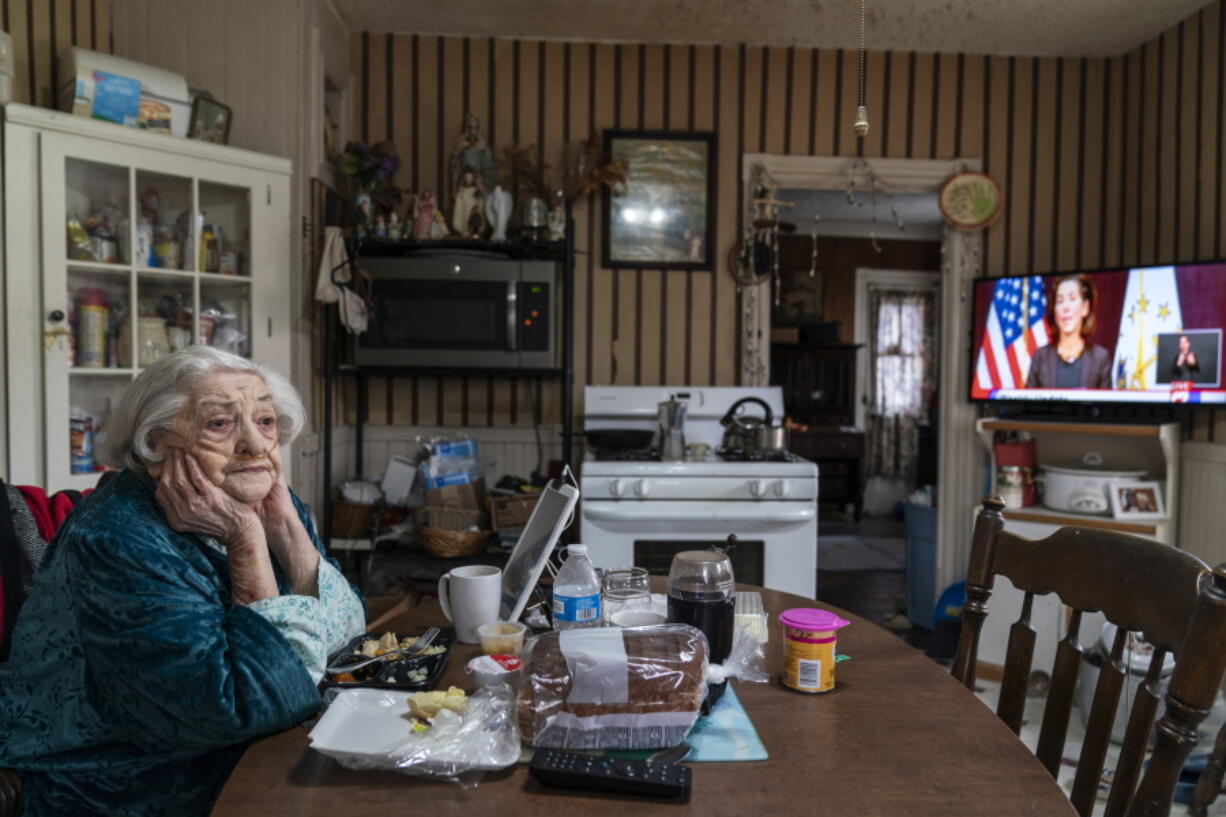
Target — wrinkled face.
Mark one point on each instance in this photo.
(1071, 308)
(230, 426)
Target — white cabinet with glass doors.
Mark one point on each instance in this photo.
(123, 246)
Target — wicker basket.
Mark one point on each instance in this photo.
(453, 519)
(350, 520)
(450, 544)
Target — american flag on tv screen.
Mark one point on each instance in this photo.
(1016, 327)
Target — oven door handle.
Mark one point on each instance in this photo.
(776, 512)
(512, 316)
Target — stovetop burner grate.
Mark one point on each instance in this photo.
(744, 455)
(629, 455)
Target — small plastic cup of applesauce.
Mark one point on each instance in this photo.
(502, 637)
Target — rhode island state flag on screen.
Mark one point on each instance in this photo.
(1151, 308)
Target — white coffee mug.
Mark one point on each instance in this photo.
(470, 596)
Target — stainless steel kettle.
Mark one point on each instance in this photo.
(754, 433)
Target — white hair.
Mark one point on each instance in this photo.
(153, 401)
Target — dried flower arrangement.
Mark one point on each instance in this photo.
(586, 167)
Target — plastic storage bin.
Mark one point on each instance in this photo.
(920, 532)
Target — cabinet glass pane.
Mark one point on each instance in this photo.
(164, 231)
(98, 306)
(165, 307)
(96, 209)
(225, 314)
(92, 398)
(225, 237)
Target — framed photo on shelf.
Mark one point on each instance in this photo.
(663, 217)
(1134, 499)
(210, 121)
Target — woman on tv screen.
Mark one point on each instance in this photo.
(1071, 361)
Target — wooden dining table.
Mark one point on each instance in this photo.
(896, 736)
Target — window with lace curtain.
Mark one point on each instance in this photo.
(902, 355)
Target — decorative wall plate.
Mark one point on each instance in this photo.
(971, 201)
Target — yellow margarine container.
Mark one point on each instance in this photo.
(809, 636)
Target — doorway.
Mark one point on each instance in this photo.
(960, 455)
(897, 315)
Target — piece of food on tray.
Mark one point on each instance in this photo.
(612, 688)
(374, 647)
(426, 705)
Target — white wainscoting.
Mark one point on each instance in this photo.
(1202, 514)
(502, 450)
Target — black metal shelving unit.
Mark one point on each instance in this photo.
(562, 252)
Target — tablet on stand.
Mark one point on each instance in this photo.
(553, 512)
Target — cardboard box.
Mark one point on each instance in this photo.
(470, 495)
(512, 511)
(109, 97)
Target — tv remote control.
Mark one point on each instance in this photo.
(575, 770)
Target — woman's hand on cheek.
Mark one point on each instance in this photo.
(277, 512)
(193, 504)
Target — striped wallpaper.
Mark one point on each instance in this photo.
(41, 29)
(1105, 163)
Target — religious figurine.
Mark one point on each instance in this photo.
(556, 220)
(498, 212)
(393, 227)
(380, 227)
(470, 155)
(438, 227)
(423, 215)
(465, 201)
(361, 215)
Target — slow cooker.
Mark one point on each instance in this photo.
(1085, 489)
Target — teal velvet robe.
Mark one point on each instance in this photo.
(134, 684)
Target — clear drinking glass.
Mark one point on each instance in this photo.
(626, 588)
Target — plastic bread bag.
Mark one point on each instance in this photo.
(373, 729)
(746, 661)
(621, 688)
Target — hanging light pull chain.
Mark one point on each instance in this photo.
(861, 125)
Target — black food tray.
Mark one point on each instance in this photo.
(393, 674)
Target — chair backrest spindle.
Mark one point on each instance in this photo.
(1136, 737)
(1098, 727)
(1012, 703)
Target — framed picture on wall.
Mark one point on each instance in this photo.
(210, 120)
(663, 217)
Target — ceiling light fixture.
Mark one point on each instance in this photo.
(861, 125)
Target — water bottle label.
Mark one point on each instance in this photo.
(576, 609)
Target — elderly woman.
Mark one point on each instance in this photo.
(181, 611)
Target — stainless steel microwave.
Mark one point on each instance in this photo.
(461, 311)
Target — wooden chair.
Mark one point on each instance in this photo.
(1210, 784)
(1172, 597)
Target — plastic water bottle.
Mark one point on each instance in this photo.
(576, 592)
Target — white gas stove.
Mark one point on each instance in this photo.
(640, 511)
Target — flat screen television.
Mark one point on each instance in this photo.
(1140, 335)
